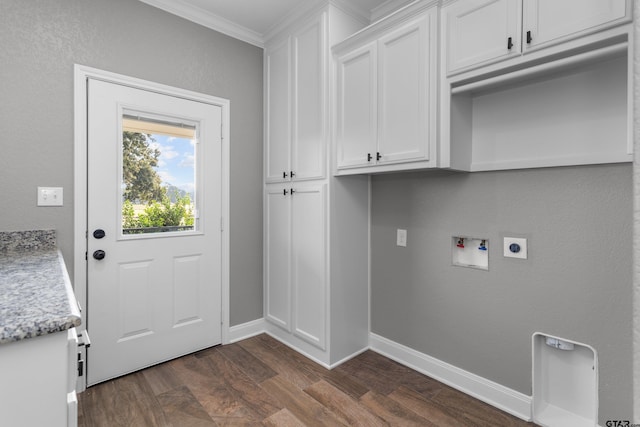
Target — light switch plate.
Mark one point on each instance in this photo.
(401, 239)
(49, 196)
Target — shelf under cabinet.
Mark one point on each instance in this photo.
(570, 112)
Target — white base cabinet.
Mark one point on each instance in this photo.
(39, 381)
(296, 279)
(315, 297)
(316, 267)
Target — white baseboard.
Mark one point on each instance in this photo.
(246, 330)
(499, 396)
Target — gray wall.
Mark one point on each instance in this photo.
(576, 284)
(41, 40)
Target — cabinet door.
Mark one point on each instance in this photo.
(481, 31)
(72, 363)
(277, 225)
(406, 91)
(309, 105)
(357, 109)
(278, 125)
(548, 20)
(309, 269)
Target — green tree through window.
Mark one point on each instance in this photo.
(142, 182)
(166, 207)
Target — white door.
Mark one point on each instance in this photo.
(404, 90)
(278, 117)
(481, 31)
(548, 20)
(308, 264)
(153, 290)
(309, 101)
(357, 108)
(277, 298)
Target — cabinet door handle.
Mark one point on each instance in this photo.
(284, 175)
(285, 192)
(369, 157)
(292, 174)
(509, 43)
(529, 37)
(292, 191)
(378, 156)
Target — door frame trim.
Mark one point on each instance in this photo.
(81, 75)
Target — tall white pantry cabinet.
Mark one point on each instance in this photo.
(316, 226)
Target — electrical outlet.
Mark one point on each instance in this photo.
(515, 247)
(49, 196)
(401, 239)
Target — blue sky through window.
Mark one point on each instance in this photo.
(176, 164)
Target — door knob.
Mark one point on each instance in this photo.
(99, 254)
(99, 233)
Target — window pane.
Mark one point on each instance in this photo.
(158, 175)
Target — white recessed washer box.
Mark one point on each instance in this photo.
(470, 252)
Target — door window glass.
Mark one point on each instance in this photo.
(159, 185)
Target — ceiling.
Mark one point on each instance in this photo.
(251, 20)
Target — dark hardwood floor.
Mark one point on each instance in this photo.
(260, 381)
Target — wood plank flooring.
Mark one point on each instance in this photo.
(260, 381)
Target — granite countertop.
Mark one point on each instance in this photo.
(36, 297)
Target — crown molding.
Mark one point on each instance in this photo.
(406, 12)
(387, 8)
(302, 9)
(310, 7)
(209, 20)
(358, 13)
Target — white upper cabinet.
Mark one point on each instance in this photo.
(549, 20)
(296, 104)
(386, 96)
(480, 32)
(561, 96)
